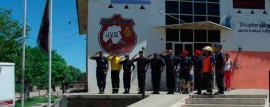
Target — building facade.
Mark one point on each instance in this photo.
(242, 26)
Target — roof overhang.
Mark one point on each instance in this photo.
(204, 25)
(82, 13)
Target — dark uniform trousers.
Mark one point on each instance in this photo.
(127, 78)
(101, 79)
(220, 80)
(170, 77)
(115, 79)
(208, 80)
(198, 81)
(156, 76)
(141, 79)
(185, 75)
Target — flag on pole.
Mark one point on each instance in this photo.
(43, 35)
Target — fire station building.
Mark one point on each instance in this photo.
(130, 26)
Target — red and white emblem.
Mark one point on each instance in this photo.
(117, 34)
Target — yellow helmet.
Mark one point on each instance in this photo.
(208, 48)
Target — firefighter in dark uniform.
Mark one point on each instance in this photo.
(157, 66)
(198, 70)
(127, 64)
(185, 68)
(170, 62)
(142, 66)
(102, 70)
(219, 67)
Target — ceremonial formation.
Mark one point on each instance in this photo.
(183, 74)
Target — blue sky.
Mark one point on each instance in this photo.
(66, 39)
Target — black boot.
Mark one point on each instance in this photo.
(116, 91)
(113, 91)
(101, 91)
(199, 93)
(127, 90)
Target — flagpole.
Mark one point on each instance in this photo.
(23, 54)
(50, 52)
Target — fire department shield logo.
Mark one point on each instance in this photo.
(117, 35)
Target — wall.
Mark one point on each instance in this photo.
(252, 40)
(147, 36)
(253, 72)
(248, 41)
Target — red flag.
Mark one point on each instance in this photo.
(43, 35)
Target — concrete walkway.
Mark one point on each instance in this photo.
(161, 100)
(164, 100)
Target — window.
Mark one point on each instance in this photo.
(186, 8)
(178, 49)
(213, 0)
(200, 35)
(168, 46)
(214, 19)
(200, 0)
(213, 9)
(213, 36)
(199, 18)
(199, 46)
(172, 7)
(186, 18)
(192, 11)
(186, 35)
(200, 8)
(189, 48)
(172, 35)
(170, 20)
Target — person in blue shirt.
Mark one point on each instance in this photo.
(157, 66)
(171, 64)
(198, 70)
(219, 67)
(101, 70)
(142, 66)
(184, 76)
(127, 65)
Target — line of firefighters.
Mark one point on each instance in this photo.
(205, 65)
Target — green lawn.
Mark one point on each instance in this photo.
(34, 100)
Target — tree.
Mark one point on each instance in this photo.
(36, 63)
(11, 40)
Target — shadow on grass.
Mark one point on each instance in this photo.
(34, 101)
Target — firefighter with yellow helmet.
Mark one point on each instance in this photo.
(208, 72)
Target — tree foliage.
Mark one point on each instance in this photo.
(36, 64)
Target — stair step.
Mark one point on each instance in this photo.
(229, 96)
(218, 105)
(233, 101)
